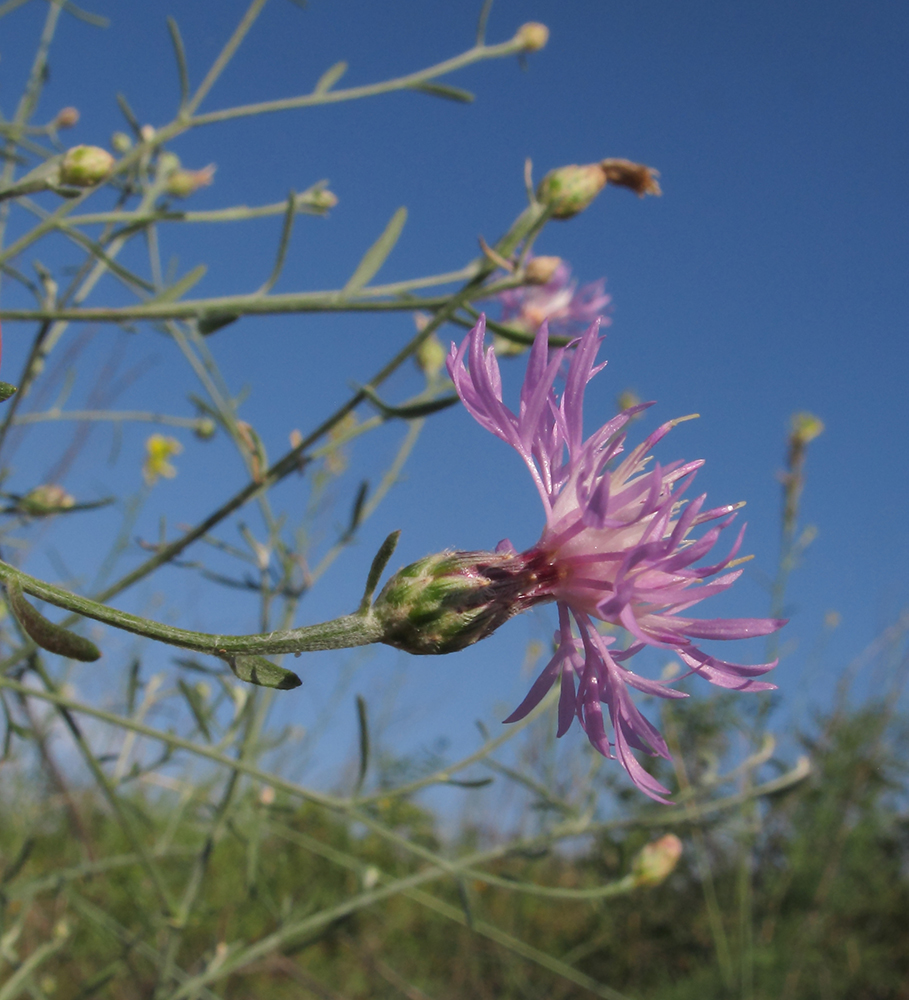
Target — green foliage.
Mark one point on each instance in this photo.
(830, 904)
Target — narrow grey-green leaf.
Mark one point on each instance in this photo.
(377, 254)
(363, 727)
(196, 706)
(290, 214)
(443, 90)
(464, 899)
(258, 670)
(128, 113)
(356, 514)
(380, 561)
(180, 55)
(330, 77)
(178, 290)
(474, 783)
(47, 635)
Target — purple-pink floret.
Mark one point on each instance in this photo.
(567, 308)
(616, 548)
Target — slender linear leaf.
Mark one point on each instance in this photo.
(180, 55)
(380, 561)
(179, 289)
(363, 728)
(258, 670)
(330, 77)
(53, 638)
(377, 254)
(443, 90)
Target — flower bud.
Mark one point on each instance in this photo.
(541, 270)
(805, 427)
(655, 862)
(430, 356)
(182, 183)
(569, 190)
(66, 118)
(626, 399)
(121, 142)
(450, 600)
(532, 36)
(46, 499)
(168, 162)
(322, 199)
(85, 166)
(205, 429)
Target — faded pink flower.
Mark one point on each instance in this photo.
(615, 548)
(567, 308)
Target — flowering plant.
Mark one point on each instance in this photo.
(615, 549)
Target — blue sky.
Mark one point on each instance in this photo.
(769, 278)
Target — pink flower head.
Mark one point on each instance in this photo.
(560, 302)
(616, 548)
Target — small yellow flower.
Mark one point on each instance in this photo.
(158, 449)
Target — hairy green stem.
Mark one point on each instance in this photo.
(340, 633)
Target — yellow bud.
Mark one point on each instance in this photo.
(205, 429)
(805, 427)
(121, 142)
(627, 399)
(430, 356)
(532, 36)
(85, 166)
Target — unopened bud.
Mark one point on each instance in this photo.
(430, 356)
(121, 142)
(147, 133)
(635, 176)
(205, 428)
(532, 36)
(168, 162)
(85, 166)
(322, 199)
(569, 190)
(627, 399)
(541, 270)
(805, 427)
(655, 862)
(451, 600)
(66, 118)
(46, 499)
(182, 183)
